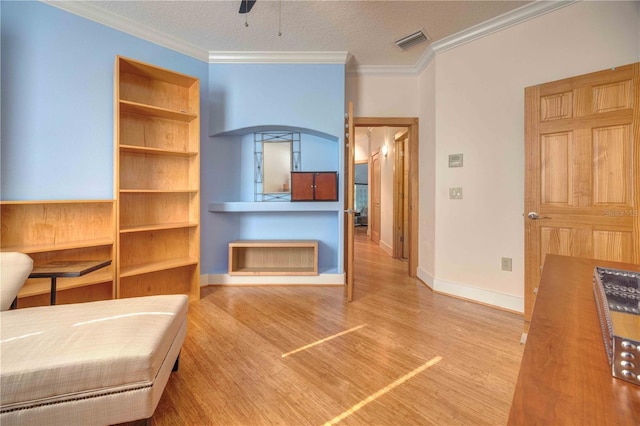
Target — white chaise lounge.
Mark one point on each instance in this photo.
(96, 363)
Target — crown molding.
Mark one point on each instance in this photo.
(119, 23)
(231, 57)
(381, 70)
(516, 16)
(499, 23)
(424, 60)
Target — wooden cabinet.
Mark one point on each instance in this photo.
(50, 231)
(157, 169)
(273, 257)
(565, 376)
(314, 186)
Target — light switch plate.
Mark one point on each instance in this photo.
(455, 160)
(455, 193)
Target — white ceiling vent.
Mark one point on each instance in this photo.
(411, 40)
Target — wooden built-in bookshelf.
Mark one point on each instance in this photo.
(157, 131)
(51, 231)
(151, 231)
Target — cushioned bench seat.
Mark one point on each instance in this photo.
(102, 362)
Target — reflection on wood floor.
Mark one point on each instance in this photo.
(399, 354)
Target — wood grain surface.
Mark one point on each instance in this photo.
(299, 355)
(565, 378)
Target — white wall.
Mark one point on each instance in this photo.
(378, 137)
(382, 95)
(480, 111)
(361, 152)
(469, 100)
(427, 174)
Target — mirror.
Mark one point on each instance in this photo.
(277, 167)
(277, 154)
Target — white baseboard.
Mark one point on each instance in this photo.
(226, 279)
(488, 297)
(425, 277)
(523, 338)
(386, 248)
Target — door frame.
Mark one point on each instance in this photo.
(349, 169)
(398, 196)
(375, 194)
(413, 129)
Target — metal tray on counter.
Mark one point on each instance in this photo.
(617, 295)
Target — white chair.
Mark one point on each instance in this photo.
(14, 270)
(94, 363)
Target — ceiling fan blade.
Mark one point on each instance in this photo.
(246, 5)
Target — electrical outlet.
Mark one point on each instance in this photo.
(506, 264)
(455, 193)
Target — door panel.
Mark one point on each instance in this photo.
(557, 152)
(405, 199)
(612, 165)
(375, 198)
(580, 161)
(349, 183)
(401, 197)
(326, 186)
(614, 245)
(301, 186)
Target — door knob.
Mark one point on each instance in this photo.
(536, 216)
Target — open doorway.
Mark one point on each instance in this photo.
(399, 195)
(361, 195)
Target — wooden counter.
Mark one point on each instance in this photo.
(565, 378)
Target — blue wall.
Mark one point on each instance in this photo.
(57, 122)
(57, 101)
(306, 96)
(244, 98)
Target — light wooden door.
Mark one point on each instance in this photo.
(349, 182)
(582, 181)
(375, 198)
(401, 198)
(405, 198)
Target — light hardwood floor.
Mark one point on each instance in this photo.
(409, 356)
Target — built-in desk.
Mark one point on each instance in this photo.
(565, 377)
(65, 268)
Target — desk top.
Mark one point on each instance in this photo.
(565, 377)
(67, 268)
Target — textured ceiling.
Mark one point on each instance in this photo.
(365, 29)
